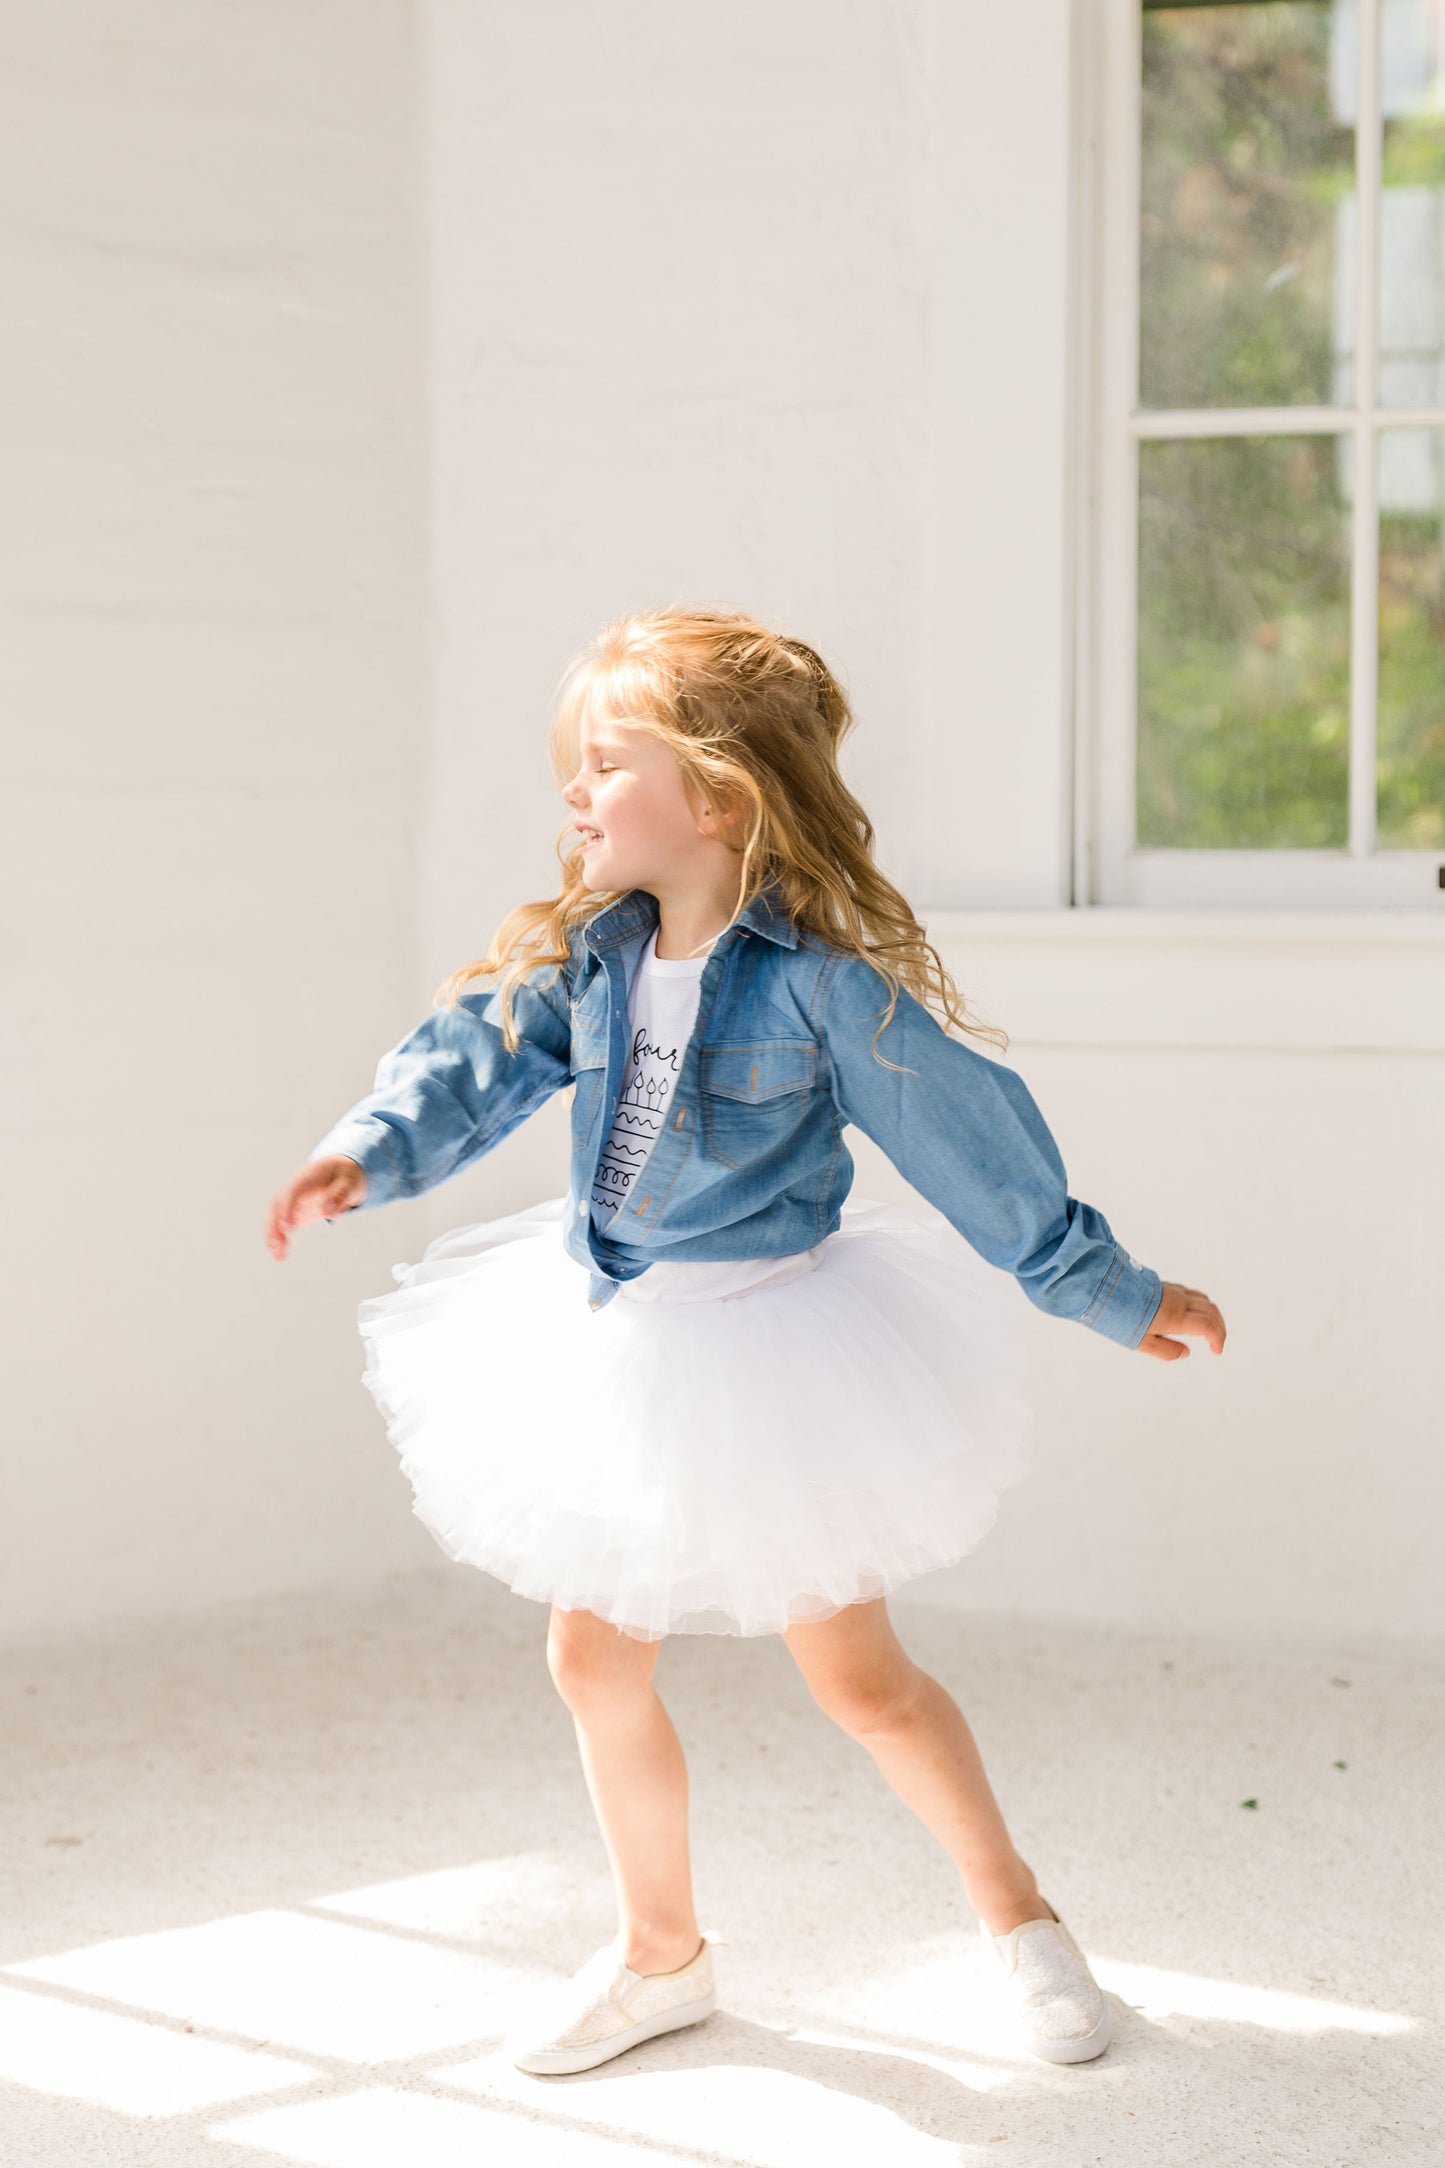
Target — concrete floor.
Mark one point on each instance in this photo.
(273, 1885)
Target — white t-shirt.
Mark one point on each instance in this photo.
(661, 1011)
(661, 1008)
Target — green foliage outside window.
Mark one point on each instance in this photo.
(1244, 543)
(1244, 637)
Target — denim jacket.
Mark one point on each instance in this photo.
(753, 1161)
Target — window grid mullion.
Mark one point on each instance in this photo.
(1365, 571)
(1285, 421)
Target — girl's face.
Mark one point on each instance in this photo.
(629, 790)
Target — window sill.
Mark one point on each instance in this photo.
(1231, 980)
(1113, 922)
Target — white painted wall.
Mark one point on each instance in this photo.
(213, 681)
(679, 271)
(779, 320)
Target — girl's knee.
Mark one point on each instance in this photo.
(856, 1668)
(591, 1660)
(868, 1699)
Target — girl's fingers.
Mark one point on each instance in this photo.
(1210, 1323)
(1163, 1348)
(310, 1194)
(287, 1213)
(1215, 1316)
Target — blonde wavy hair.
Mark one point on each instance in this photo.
(755, 721)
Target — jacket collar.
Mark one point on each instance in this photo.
(637, 912)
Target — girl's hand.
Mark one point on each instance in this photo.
(319, 1190)
(1182, 1309)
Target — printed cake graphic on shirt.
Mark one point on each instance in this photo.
(661, 1010)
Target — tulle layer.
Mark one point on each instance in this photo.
(735, 1464)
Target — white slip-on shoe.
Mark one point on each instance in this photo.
(1063, 2014)
(606, 2008)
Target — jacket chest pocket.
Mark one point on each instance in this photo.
(587, 1090)
(589, 1056)
(752, 1098)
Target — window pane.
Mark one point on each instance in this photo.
(1412, 204)
(1244, 637)
(1246, 268)
(1410, 734)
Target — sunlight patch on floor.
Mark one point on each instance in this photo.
(1158, 1993)
(315, 1985)
(747, 2111)
(462, 1902)
(943, 1996)
(379, 2129)
(127, 2064)
(764, 2118)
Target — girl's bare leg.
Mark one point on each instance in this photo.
(633, 1761)
(859, 1672)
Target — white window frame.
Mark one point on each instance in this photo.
(1110, 868)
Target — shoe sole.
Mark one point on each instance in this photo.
(557, 2062)
(1082, 2050)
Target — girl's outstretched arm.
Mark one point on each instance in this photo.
(966, 1132)
(450, 1092)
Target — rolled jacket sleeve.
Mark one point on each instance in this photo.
(450, 1090)
(966, 1132)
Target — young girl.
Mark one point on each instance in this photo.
(707, 1391)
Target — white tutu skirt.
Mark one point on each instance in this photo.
(678, 1461)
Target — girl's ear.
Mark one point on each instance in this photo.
(718, 812)
(715, 809)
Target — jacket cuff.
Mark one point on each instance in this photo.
(1129, 1293)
